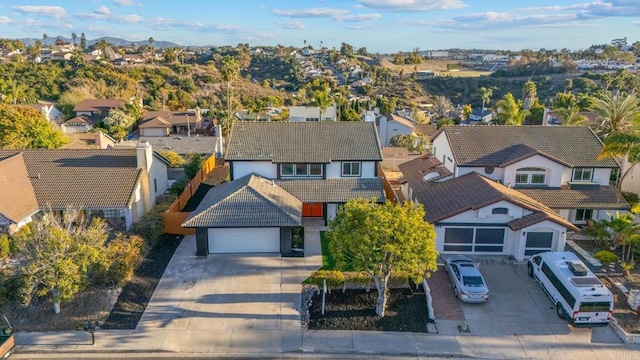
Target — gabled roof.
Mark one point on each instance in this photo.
(572, 146)
(156, 122)
(604, 197)
(17, 199)
(79, 120)
(419, 169)
(98, 104)
(171, 117)
(304, 142)
(471, 192)
(399, 119)
(338, 190)
(87, 179)
(251, 201)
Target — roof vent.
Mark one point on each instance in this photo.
(577, 269)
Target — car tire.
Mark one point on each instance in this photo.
(530, 270)
(560, 311)
(455, 291)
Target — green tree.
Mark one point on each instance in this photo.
(58, 255)
(381, 240)
(485, 95)
(193, 164)
(230, 71)
(623, 145)
(350, 115)
(617, 112)
(83, 41)
(529, 94)
(510, 111)
(572, 117)
(466, 111)
(621, 230)
(322, 100)
(74, 37)
(445, 122)
(536, 114)
(118, 118)
(26, 128)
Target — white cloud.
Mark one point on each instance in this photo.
(294, 24)
(102, 10)
(123, 2)
(413, 5)
(5, 20)
(331, 13)
(56, 12)
(499, 20)
(100, 14)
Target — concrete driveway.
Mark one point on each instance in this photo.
(227, 292)
(517, 306)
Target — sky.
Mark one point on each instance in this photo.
(385, 26)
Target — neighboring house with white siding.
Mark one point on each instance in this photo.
(321, 164)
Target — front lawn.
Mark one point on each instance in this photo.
(328, 262)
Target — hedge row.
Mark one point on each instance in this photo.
(337, 278)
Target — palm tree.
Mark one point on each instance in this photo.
(229, 70)
(74, 37)
(510, 111)
(571, 116)
(45, 37)
(153, 49)
(617, 112)
(622, 145)
(529, 93)
(485, 95)
(322, 100)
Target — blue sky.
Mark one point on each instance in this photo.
(379, 25)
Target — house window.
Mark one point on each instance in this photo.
(582, 174)
(480, 240)
(351, 169)
(286, 169)
(584, 214)
(301, 170)
(531, 176)
(109, 214)
(500, 211)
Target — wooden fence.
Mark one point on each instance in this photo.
(388, 189)
(173, 218)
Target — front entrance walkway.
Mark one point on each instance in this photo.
(232, 291)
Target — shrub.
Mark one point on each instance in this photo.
(193, 164)
(149, 227)
(10, 284)
(606, 256)
(178, 187)
(175, 160)
(125, 254)
(333, 277)
(5, 249)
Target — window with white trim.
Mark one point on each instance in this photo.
(499, 210)
(351, 168)
(300, 170)
(582, 174)
(531, 176)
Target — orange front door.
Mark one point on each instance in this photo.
(311, 210)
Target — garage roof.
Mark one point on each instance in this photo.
(251, 201)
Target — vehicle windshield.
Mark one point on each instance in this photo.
(473, 281)
(595, 306)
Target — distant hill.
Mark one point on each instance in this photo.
(111, 40)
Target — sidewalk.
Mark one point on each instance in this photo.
(260, 343)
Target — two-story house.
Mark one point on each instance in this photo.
(511, 190)
(281, 173)
(312, 113)
(118, 185)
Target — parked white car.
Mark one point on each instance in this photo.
(466, 279)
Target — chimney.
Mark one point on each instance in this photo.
(198, 115)
(144, 155)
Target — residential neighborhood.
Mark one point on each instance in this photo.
(302, 196)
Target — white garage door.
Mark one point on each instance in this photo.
(244, 240)
(154, 132)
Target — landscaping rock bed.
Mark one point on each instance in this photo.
(355, 310)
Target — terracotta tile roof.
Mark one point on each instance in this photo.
(420, 168)
(303, 142)
(17, 199)
(171, 117)
(251, 201)
(156, 122)
(84, 178)
(605, 197)
(469, 192)
(79, 120)
(333, 190)
(573, 146)
(98, 104)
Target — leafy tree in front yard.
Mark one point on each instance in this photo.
(58, 255)
(381, 240)
(22, 127)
